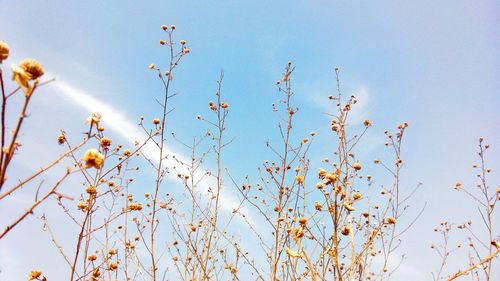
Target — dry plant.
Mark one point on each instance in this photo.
(336, 223)
(482, 241)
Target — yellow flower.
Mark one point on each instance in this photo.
(93, 158)
(4, 51)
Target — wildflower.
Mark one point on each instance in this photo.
(162, 42)
(172, 27)
(135, 206)
(34, 274)
(127, 152)
(346, 230)
(81, 205)
(20, 76)
(322, 173)
(105, 142)
(349, 207)
(28, 69)
(96, 273)
(186, 50)
(367, 122)
(183, 42)
(94, 119)
(152, 66)
(61, 139)
(335, 127)
(112, 251)
(298, 232)
(356, 166)
(317, 206)
(91, 190)
(93, 158)
(156, 121)
(92, 257)
(292, 253)
(302, 220)
(356, 196)
(4, 51)
(330, 177)
(192, 227)
(224, 105)
(113, 266)
(391, 220)
(320, 185)
(164, 27)
(300, 179)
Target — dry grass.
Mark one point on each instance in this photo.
(330, 224)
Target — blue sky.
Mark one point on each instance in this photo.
(434, 64)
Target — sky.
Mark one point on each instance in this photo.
(434, 64)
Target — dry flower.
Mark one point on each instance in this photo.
(34, 274)
(356, 196)
(61, 139)
(356, 166)
(112, 251)
(317, 206)
(300, 179)
(113, 266)
(105, 142)
(302, 220)
(91, 190)
(346, 230)
(391, 220)
(93, 158)
(348, 207)
(94, 119)
(292, 253)
(4, 51)
(81, 205)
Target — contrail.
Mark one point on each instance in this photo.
(119, 123)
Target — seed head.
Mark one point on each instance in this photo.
(4, 51)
